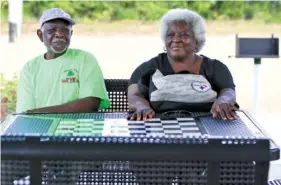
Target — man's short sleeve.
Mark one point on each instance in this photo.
(92, 82)
(222, 77)
(25, 91)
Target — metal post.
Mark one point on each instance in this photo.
(35, 172)
(256, 96)
(15, 19)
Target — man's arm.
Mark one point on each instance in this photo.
(88, 104)
(91, 83)
(25, 91)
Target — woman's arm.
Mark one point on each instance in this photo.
(227, 95)
(222, 79)
(138, 104)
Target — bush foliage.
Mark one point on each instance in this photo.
(9, 90)
(267, 11)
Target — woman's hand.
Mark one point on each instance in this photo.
(224, 106)
(224, 110)
(142, 113)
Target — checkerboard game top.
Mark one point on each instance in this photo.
(116, 124)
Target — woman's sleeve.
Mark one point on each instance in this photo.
(141, 77)
(136, 75)
(222, 76)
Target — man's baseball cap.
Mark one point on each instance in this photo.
(55, 13)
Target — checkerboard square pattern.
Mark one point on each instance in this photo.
(158, 127)
(80, 126)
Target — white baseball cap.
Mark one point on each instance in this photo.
(55, 13)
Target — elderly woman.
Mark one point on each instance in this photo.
(180, 79)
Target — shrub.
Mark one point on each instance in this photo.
(9, 90)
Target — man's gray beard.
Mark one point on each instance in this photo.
(56, 52)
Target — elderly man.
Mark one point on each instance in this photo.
(62, 79)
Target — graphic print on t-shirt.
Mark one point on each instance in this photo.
(187, 88)
(70, 76)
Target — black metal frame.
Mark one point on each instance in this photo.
(274, 148)
(38, 148)
(117, 92)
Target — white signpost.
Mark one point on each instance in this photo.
(15, 19)
(256, 96)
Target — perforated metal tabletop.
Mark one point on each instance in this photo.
(116, 124)
(106, 148)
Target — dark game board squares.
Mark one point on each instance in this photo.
(151, 121)
(135, 124)
(173, 133)
(137, 129)
(191, 131)
(153, 126)
(157, 126)
(155, 131)
(172, 128)
(170, 125)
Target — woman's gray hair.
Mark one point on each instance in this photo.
(190, 17)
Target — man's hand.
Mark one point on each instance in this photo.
(223, 110)
(4, 108)
(142, 113)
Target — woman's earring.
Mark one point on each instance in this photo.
(164, 48)
(196, 49)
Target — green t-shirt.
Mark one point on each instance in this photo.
(72, 76)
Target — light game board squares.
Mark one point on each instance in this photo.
(184, 119)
